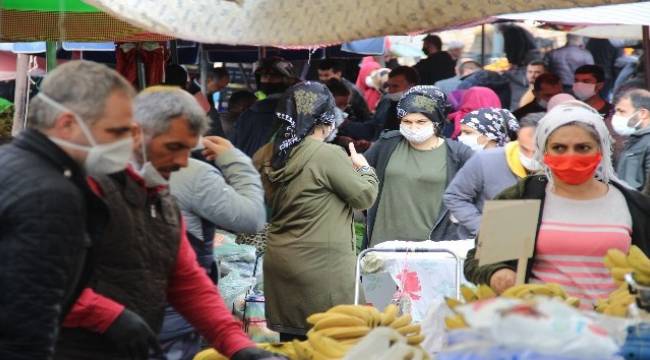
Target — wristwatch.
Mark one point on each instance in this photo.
(363, 169)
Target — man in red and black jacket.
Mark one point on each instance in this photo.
(144, 259)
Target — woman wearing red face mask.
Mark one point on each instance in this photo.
(585, 210)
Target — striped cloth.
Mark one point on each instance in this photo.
(573, 239)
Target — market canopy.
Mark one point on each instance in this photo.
(300, 23)
(623, 21)
(637, 13)
(38, 20)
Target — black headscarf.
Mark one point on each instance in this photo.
(301, 108)
(428, 100)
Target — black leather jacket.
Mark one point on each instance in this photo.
(46, 210)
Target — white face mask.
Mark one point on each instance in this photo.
(148, 172)
(620, 124)
(584, 91)
(395, 96)
(416, 136)
(471, 141)
(529, 164)
(101, 159)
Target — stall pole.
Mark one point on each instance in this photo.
(50, 55)
(203, 69)
(20, 94)
(646, 54)
(483, 45)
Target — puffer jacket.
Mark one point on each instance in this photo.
(48, 216)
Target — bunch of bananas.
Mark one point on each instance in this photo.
(340, 328)
(524, 291)
(484, 292)
(635, 262)
(617, 303)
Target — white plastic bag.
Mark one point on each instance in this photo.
(545, 325)
(384, 343)
(433, 326)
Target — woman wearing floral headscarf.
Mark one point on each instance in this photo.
(309, 262)
(414, 166)
(585, 210)
(490, 172)
(487, 128)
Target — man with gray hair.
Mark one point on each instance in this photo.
(144, 259)
(632, 121)
(79, 124)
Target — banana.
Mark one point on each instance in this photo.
(303, 350)
(390, 314)
(326, 346)
(353, 310)
(557, 290)
(573, 301)
(415, 339)
(347, 332)
(375, 317)
(618, 273)
(455, 322)
(314, 318)
(401, 321)
(642, 278)
(485, 292)
(638, 260)
(512, 291)
(617, 258)
(468, 294)
(338, 320)
(409, 329)
(452, 303)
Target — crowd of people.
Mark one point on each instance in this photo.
(111, 199)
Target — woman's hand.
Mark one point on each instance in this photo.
(358, 160)
(502, 280)
(215, 146)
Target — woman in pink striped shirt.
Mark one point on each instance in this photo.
(586, 209)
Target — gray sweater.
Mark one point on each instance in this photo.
(483, 177)
(232, 199)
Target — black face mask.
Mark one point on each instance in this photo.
(273, 88)
(425, 50)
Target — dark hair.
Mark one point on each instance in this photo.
(546, 78)
(596, 70)
(218, 73)
(241, 99)
(640, 98)
(337, 88)
(409, 73)
(433, 40)
(537, 62)
(175, 75)
(328, 64)
(531, 120)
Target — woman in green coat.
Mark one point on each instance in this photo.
(310, 257)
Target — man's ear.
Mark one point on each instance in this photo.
(64, 125)
(137, 136)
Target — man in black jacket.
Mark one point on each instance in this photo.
(80, 124)
(438, 65)
(257, 124)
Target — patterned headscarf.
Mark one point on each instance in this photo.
(493, 123)
(427, 100)
(574, 111)
(301, 108)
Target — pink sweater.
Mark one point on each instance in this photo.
(573, 239)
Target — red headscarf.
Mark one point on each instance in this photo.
(474, 98)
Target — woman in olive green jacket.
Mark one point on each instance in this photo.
(310, 257)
